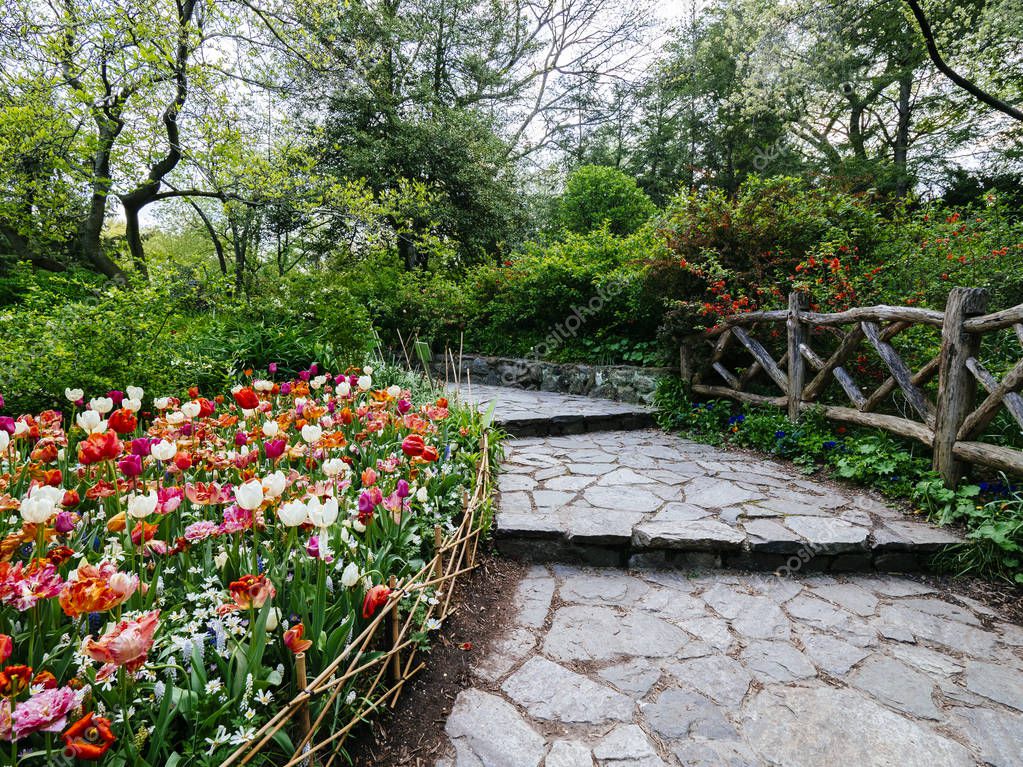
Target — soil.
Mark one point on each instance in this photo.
(412, 735)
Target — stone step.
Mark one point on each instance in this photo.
(646, 498)
(528, 413)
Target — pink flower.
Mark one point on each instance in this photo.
(22, 587)
(274, 448)
(236, 519)
(168, 499)
(45, 711)
(200, 531)
(126, 645)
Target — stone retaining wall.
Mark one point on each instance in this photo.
(624, 383)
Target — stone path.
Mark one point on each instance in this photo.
(663, 664)
(656, 667)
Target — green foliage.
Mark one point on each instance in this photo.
(597, 196)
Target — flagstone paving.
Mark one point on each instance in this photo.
(647, 497)
(655, 667)
(663, 662)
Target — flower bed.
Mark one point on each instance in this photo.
(168, 584)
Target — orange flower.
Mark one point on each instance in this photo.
(375, 597)
(293, 639)
(97, 590)
(89, 738)
(14, 680)
(126, 645)
(123, 421)
(249, 592)
(99, 447)
(6, 647)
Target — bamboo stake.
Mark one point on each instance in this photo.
(395, 634)
(300, 680)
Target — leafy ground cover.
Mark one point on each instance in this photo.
(164, 559)
(990, 510)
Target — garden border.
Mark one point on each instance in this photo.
(454, 556)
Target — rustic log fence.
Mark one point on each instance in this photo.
(952, 424)
(377, 662)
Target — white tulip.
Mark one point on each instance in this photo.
(175, 418)
(162, 403)
(394, 390)
(41, 503)
(357, 526)
(311, 433)
(164, 450)
(5, 441)
(21, 428)
(274, 484)
(140, 506)
(422, 495)
(270, 429)
(300, 401)
(368, 370)
(74, 395)
(292, 514)
(102, 405)
(273, 619)
(89, 421)
(191, 410)
(344, 388)
(322, 514)
(263, 385)
(365, 382)
(250, 495)
(317, 382)
(135, 392)
(334, 466)
(220, 560)
(134, 405)
(350, 576)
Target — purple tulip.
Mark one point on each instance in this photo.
(7, 424)
(272, 367)
(186, 429)
(305, 375)
(366, 504)
(241, 438)
(141, 446)
(314, 369)
(65, 522)
(130, 466)
(116, 396)
(1, 401)
(404, 406)
(275, 448)
(402, 489)
(285, 388)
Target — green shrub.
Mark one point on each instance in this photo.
(597, 196)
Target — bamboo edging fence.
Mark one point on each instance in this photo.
(952, 424)
(454, 555)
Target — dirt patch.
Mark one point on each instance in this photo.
(412, 735)
(1004, 598)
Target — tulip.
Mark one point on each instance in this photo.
(402, 489)
(274, 484)
(140, 506)
(74, 395)
(162, 403)
(404, 406)
(364, 382)
(375, 597)
(273, 619)
(422, 495)
(292, 514)
(175, 418)
(102, 405)
(322, 514)
(183, 460)
(272, 367)
(99, 447)
(191, 409)
(246, 399)
(130, 466)
(89, 738)
(65, 521)
(334, 466)
(241, 438)
(141, 447)
(164, 450)
(413, 445)
(135, 392)
(293, 639)
(40, 504)
(270, 429)
(91, 422)
(134, 405)
(344, 388)
(350, 576)
(5, 441)
(275, 448)
(311, 433)
(127, 644)
(6, 647)
(251, 591)
(250, 495)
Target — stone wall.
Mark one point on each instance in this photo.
(624, 383)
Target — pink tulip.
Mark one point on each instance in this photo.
(127, 644)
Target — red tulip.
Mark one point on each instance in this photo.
(375, 597)
(89, 738)
(6, 647)
(413, 445)
(429, 453)
(99, 447)
(293, 639)
(123, 421)
(246, 399)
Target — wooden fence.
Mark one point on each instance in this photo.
(377, 663)
(952, 422)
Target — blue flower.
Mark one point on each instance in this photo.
(736, 419)
(779, 434)
(830, 444)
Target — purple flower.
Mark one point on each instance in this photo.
(1, 401)
(142, 446)
(285, 388)
(305, 375)
(314, 369)
(116, 396)
(241, 438)
(130, 466)
(274, 448)
(65, 522)
(7, 424)
(404, 406)
(186, 429)
(272, 367)
(402, 489)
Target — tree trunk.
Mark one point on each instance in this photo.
(901, 152)
(134, 238)
(91, 232)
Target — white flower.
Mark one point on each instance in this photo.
(250, 495)
(422, 495)
(175, 418)
(311, 433)
(220, 560)
(368, 370)
(274, 484)
(273, 619)
(334, 466)
(140, 506)
(135, 392)
(394, 390)
(350, 576)
(264, 697)
(322, 514)
(164, 450)
(292, 514)
(191, 409)
(74, 395)
(5, 440)
(162, 403)
(91, 422)
(270, 429)
(344, 388)
(21, 428)
(317, 382)
(41, 504)
(365, 382)
(134, 405)
(102, 405)
(261, 384)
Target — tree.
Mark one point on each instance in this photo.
(599, 196)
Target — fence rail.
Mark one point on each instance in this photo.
(951, 423)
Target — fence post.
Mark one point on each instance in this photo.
(798, 302)
(957, 387)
